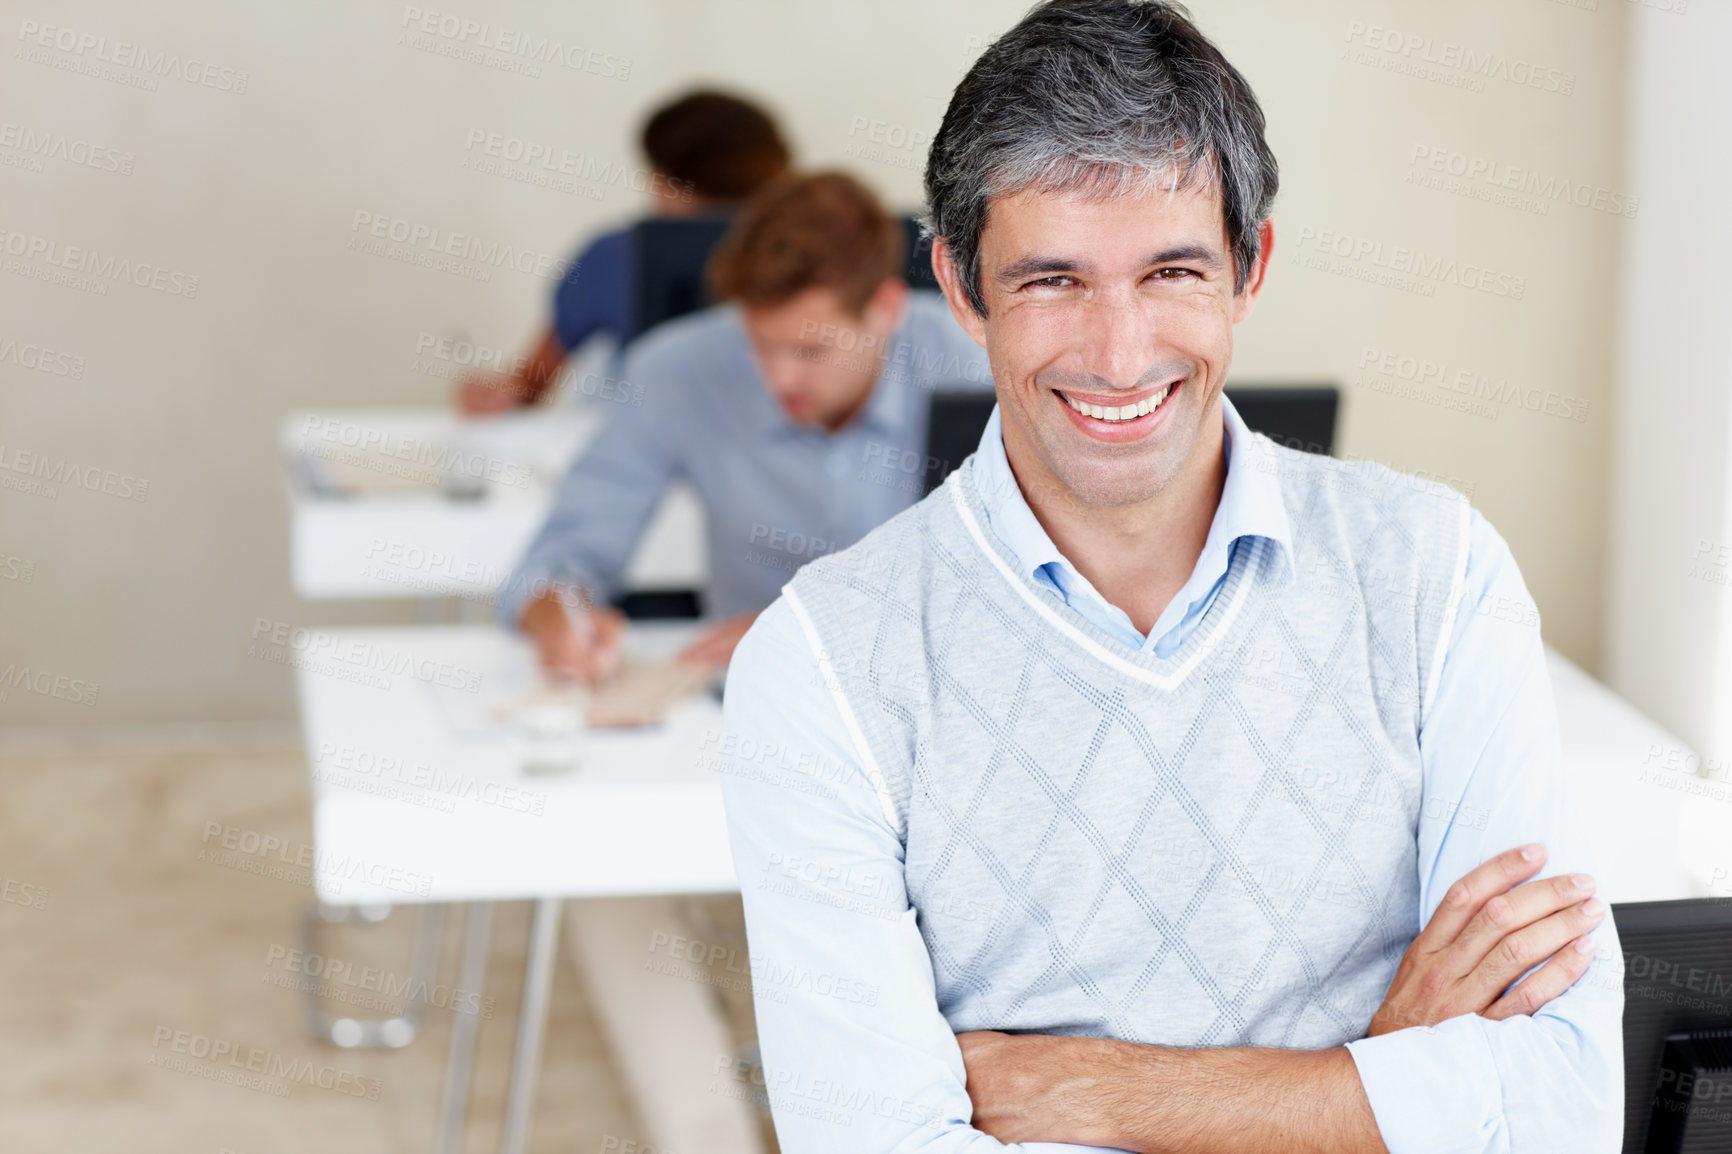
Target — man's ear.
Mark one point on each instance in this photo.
(949, 276)
(1246, 299)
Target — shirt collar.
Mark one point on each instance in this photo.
(1251, 503)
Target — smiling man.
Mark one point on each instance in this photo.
(1151, 786)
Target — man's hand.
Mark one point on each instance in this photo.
(571, 650)
(482, 393)
(716, 646)
(1037, 1087)
(1488, 931)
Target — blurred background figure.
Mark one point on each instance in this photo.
(707, 151)
(786, 408)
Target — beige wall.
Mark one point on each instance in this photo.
(1669, 586)
(254, 192)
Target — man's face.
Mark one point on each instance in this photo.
(1109, 327)
(819, 360)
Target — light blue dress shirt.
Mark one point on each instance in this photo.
(1493, 779)
(693, 405)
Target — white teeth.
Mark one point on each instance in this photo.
(1124, 412)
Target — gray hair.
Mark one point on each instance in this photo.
(1107, 97)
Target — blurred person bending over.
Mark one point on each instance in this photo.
(793, 410)
(707, 152)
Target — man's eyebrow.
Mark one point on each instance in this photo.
(1200, 253)
(1045, 265)
(1039, 266)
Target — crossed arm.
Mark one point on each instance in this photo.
(1487, 932)
(1451, 1061)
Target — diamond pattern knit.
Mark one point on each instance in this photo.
(1213, 848)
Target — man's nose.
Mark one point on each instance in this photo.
(784, 375)
(1117, 336)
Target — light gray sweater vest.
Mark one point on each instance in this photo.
(1215, 848)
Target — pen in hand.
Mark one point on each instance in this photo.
(596, 635)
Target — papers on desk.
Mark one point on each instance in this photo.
(517, 701)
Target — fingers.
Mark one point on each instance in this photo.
(1525, 949)
(1464, 899)
(607, 648)
(1509, 913)
(1539, 988)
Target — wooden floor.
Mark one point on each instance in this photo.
(144, 969)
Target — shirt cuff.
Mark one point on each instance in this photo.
(1434, 1089)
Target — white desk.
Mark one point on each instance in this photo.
(639, 815)
(409, 808)
(1653, 840)
(426, 544)
(642, 813)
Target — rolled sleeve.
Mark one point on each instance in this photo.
(1493, 779)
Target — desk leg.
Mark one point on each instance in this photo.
(531, 1025)
(463, 1029)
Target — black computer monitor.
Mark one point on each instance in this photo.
(671, 255)
(1301, 417)
(1677, 1025)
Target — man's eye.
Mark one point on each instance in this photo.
(1058, 281)
(1174, 273)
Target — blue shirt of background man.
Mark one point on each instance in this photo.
(775, 493)
(596, 293)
